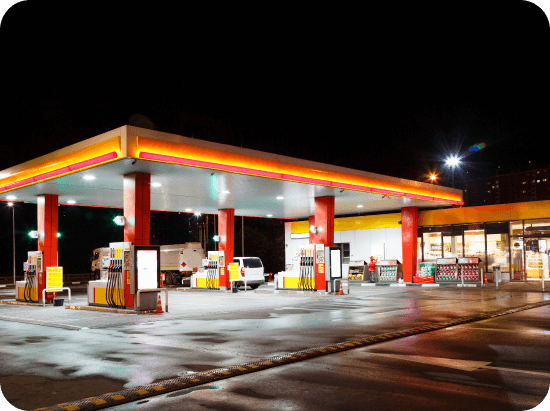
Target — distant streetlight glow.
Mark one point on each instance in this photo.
(433, 177)
(452, 161)
(197, 214)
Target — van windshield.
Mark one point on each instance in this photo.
(252, 263)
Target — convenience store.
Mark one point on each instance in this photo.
(514, 236)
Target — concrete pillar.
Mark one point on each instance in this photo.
(226, 231)
(47, 225)
(409, 234)
(324, 221)
(313, 239)
(137, 208)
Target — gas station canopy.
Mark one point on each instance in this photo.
(190, 175)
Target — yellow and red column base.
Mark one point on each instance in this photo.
(226, 231)
(409, 234)
(47, 226)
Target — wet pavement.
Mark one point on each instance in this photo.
(52, 355)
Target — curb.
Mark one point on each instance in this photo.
(144, 391)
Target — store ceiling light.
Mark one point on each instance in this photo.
(269, 215)
(11, 197)
(89, 177)
(71, 202)
(188, 210)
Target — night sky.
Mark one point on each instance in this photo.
(391, 89)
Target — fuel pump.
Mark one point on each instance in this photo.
(214, 267)
(27, 290)
(131, 268)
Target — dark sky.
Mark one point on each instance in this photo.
(388, 90)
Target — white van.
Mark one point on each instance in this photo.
(253, 270)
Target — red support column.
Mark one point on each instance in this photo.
(226, 231)
(137, 208)
(47, 218)
(324, 221)
(313, 239)
(409, 234)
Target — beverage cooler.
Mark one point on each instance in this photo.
(446, 270)
(471, 268)
(358, 271)
(389, 271)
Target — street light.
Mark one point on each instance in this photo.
(13, 235)
(452, 162)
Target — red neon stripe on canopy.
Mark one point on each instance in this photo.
(62, 170)
(236, 169)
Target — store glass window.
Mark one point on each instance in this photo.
(516, 259)
(474, 243)
(452, 242)
(540, 227)
(498, 250)
(432, 246)
(516, 228)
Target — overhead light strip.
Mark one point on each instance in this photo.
(282, 176)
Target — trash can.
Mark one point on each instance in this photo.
(496, 273)
(58, 302)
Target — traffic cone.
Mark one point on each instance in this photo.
(341, 290)
(485, 279)
(159, 307)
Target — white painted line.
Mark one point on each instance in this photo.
(368, 284)
(465, 365)
(545, 374)
(430, 285)
(398, 285)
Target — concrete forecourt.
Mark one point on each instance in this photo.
(262, 350)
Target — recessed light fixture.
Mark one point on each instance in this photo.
(269, 215)
(11, 197)
(360, 206)
(226, 192)
(188, 210)
(89, 177)
(156, 184)
(280, 198)
(71, 202)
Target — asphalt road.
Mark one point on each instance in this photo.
(52, 355)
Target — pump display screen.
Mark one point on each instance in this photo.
(146, 267)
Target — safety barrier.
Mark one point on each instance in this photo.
(146, 290)
(51, 290)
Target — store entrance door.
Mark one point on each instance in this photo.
(537, 257)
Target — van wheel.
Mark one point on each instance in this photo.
(254, 286)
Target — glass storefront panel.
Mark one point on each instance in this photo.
(474, 243)
(516, 228)
(452, 246)
(537, 227)
(498, 252)
(516, 260)
(432, 246)
(536, 257)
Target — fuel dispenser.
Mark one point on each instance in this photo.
(131, 268)
(306, 280)
(27, 290)
(213, 271)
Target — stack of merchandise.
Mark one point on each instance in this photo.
(426, 274)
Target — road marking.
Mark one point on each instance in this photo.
(465, 365)
(544, 374)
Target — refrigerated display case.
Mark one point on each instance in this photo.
(446, 270)
(358, 271)
(471, 269)
(389, 271)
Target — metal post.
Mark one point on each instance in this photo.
(13, 233)
(242, 226)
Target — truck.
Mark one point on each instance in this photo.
(179, 261)
(100, 262)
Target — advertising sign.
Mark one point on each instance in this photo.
(54, 278)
